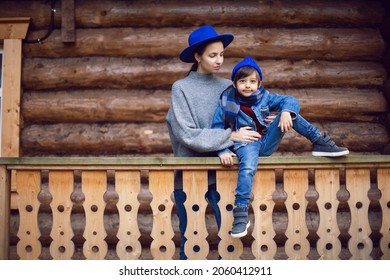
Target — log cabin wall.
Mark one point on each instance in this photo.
(106, 92)
(385, 31)
(105, 88)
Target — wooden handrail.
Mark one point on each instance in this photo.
(191, 162)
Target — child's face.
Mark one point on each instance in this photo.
(212, 58)
(248, 85)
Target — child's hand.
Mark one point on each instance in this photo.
(285, 122)
(227, 159)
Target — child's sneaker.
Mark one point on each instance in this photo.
(241, 222)
(325, 147)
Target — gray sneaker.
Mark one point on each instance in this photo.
(325, 147)
(241, 222)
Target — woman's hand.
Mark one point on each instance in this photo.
(245, 134)
(285, 122)
(227, 159)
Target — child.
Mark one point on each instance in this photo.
(247, 105)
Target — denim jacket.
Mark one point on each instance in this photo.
(268, 103)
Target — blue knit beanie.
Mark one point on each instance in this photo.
(247, 61)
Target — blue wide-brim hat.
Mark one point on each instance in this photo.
(247, 61)
(200, 36)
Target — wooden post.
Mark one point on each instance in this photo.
(4, 212)
(12, 31)
(358, 185)
(28, 185)
(161, 187)
(94, 185)
(67, 21)
(11, 98)
(296, 185)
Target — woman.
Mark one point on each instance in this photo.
(193, 102)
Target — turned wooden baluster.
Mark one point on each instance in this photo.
(384, 186)
(195, 186)
(128, 186)
(295, 185)
(94, 185)
(161, 187)
(327, 182)
(28, 185)
(264, 246)
(358, 185)
(61, 188)
(229, 248)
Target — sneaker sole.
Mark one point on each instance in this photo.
(330, 154)
(241, 234)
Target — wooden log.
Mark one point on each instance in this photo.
(102, 139)
(386, 150)
(323, 43)
(115, 72)
(340, 104)
(96, 106)
(357, 137)
(127, 139)
(385, 30)
(386, 90)
(89, 106)
(38, 11)
(386, 60)
(90, 13)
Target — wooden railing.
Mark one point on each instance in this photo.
(302, 208)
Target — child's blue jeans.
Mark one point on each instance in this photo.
(248, 155)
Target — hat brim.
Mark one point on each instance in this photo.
(187, 55)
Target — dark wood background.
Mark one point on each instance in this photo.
(107, 93)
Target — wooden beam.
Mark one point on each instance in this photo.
(200, 163)
(13, 28)
(68, 34)
(10, 115)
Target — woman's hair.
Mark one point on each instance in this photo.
(200, 50)
(244, 72)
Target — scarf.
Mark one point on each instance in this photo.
(231, 101)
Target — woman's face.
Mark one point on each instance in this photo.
(212, 58)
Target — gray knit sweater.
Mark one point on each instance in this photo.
(193, 103)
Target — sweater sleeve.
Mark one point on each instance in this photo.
(187, 132)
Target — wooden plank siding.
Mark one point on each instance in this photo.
(106, 89)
